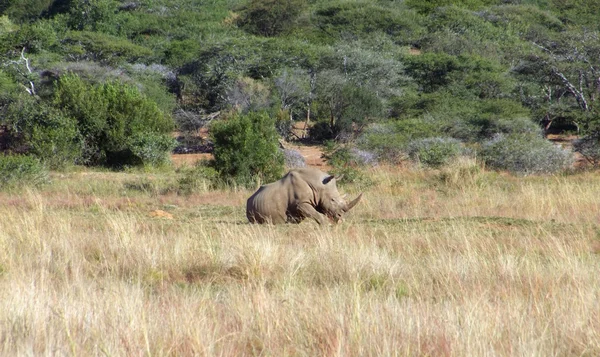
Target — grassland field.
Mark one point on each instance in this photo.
(452, 262)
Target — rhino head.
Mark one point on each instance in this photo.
(331, 203)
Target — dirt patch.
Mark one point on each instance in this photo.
(180, 160)
(313, 156)
(566, 141)
(414, 51)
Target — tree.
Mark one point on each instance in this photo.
(567, 73)
(346, 105)
(270, 17)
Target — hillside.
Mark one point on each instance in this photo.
(484, 68)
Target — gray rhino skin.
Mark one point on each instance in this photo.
(301, 193)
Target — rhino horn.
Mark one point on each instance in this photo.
(353, 203)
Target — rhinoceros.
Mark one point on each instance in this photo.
(299, 194)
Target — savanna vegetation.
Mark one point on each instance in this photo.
(476, 234)
(105, 82)
(451, 262)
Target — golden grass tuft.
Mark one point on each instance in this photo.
(451, 262)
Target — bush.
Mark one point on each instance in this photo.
(16, 170)
(270, 17)
(434, 152)
(151, 148)
(106, 49)
(45, 132)
(525, 154)
(388, 141)
(246, 148)
(367, 17)
(119, 126)
(200, 178)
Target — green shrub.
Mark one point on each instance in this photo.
(246, 148)
(364, 17)
(152, 149)
(434, 152)
(119, 126)
(8, 89)
(428, 6)
(201, 177)
(389, 140)
(103, 48)
(525, 154)
(17, 170)
(270, 17)
(24, 10)
(45, 132)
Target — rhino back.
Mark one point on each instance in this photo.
(277, 201)
(267, 204)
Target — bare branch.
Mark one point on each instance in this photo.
(31, 88)
(579, 96)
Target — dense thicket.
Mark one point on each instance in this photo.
(383, 74)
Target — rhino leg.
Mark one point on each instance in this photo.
(307, 210)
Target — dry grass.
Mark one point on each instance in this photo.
(447, 263)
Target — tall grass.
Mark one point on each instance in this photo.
(451, 262)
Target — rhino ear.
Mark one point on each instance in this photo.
(327, 179)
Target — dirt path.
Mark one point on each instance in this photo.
(312, 155)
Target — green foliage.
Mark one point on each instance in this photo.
(467, 69)
(525, 154)
(246, 148)
(525, 20)
(481, 120)
(270, 17)
(8, 89)
(21, 170)
(201, 177)
(428, 6)
(583, 12)
(103, 48)
(473, 74)
(180, 52)
(434, 152)
(152, 149)
(390, 140)
(35, 38)
(360, 18)
(91, 15)
(345, 162)
(119, 126)
(346, 106)
(24, 10)
(6, 25)
(432, 70)
(45, 132)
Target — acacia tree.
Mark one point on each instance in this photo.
(567, 72)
